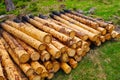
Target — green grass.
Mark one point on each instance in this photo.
(102, 63)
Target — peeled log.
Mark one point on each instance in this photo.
(29, 40)
(34, 55)
(64, 57)
(59, 45)
(35, 77)
(54, 51)
(23, 56)
(50, 75)
(56, 66)
(108, 36)
(91, 36)
(70, 52)
(31, 31)
(78, 58)
(79, 51)
(73, 63)
(102, 38)
(44, 56)
(65, 67)
(78, 34)
(55, 26)
(26, 68)
(53, 32)
(48, 65)
(115, 34)
(8, 65)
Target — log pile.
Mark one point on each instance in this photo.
(37, 47)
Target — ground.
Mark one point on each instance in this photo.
(101, 63)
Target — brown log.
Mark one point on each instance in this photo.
(8, 65)
(44, 56)
(80, 24)
(26, 68)
(56, 66)
(84, 44)
(78, 58)
(71, 52)
(79, 51)
(115, 34)
(34, 55)
(73, 63)
(65, 67)
(53, 32)
(64, 57)
(91, 36)
(83, 20)
(78, 34)
(102, 38)
(2, 77)
(37, 67)
(31, 31)
(23, 56)
(59, 45)
(53, 51)
(58, 28)
(29, 40)
(48, 65)
(108, 36)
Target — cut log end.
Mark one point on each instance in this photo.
(42, 47)
(24, 58)
(1, 78)
(110, 28)
(73, 63)
(45, 56)
(79, 51)
(48, 39)
(71, 52)
(63, 49)
(50, 76)
(72, 34)
(56, 66)
(74, 46)
(35, 56)
(44, 74)
(30, 72)
(57, 55)
(39, 70)
(35, 77)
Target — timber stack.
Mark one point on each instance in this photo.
(37, 47)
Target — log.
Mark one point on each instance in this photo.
(97, 42)
(79, 51)
(84, 45)
(56, 66)
(48, 65)
(64, 57)
(71, 52)
(2, 77)
(65, 67)
(34, 55)
(50, 75)
(91, 36)
(78, 41)
(59, 45)
(78, 58)
(22, 55)
(102, 38)
(83, 20)
(78, 34)
(115, 34)
(53, 51)
(29, 40)
(58, 28)
(44, 56)
(37, 67)
(35, 77)
(10, 69)
(31, 31)
(58, 35)
(80, 24)
(102, 30)
(26, 68)
(73, 63)
(108, 36)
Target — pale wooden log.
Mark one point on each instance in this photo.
(34, 55)
(53, 32)
(71, 52)
(83, 20)
(8, 65)
(35, 77)
(23, 56)
(50, 75)
(80, 24)
(78, 41)
(64, 57)
(26, 68)
(79, 51)
(2, 77)
(65, 67)
(102, 30)
(44, 56)
(84, 44)
(29, 40)
(56, 66)
(102, 38)
(58, 28)
(97, 42)
(53, 51)
(108, 36)
(73, 63)
(78, 58)
(91, 36)
(78, 34)
(110, 27)
(31, 31)
(48, 65)
(115, 34)
(59, 45)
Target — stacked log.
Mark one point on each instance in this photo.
(37, 47)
